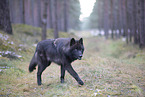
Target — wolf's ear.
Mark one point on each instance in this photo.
(72, 41)
(81, 41)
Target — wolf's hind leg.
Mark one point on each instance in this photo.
(41, 68)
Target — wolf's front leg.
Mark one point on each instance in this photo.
(74, 74)
(62, 73)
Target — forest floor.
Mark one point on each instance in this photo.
(108, 68)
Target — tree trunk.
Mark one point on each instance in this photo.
(5, 23)
(127, 22)
(65, 15)
(124, 19)
(32, 12)
(39, 12)
(106, 20)
(55, 20)
(44, 21)
(50, 14)
(119, 17)
(130, 12)
(112, 19)
(142, 33)
(23, 12)
(135, 22)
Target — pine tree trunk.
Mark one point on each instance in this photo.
(23, 12)
(50, 14)
(55, 20)
(44, 21)
(106, 20)
(142, 33)
(32, 12)
(65, 15)
(112, 19)
(5, 23)
(135, 35)
(127, 22)
(39, 13)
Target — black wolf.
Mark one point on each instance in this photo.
(62, 51)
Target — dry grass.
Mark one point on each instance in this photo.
(108, 68)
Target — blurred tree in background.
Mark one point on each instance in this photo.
(44, 20)
(121, 17)
(31, 12)
(5, 23)
(115, 18)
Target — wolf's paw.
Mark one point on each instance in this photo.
(62, 81)
(39, 84)
(81, 82)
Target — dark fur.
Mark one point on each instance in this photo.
(62, 51)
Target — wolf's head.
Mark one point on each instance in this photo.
(76, 48)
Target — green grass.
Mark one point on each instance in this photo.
(108, 68)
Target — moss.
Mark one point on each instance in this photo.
(29, 35)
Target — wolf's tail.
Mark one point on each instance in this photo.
(33, 63)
